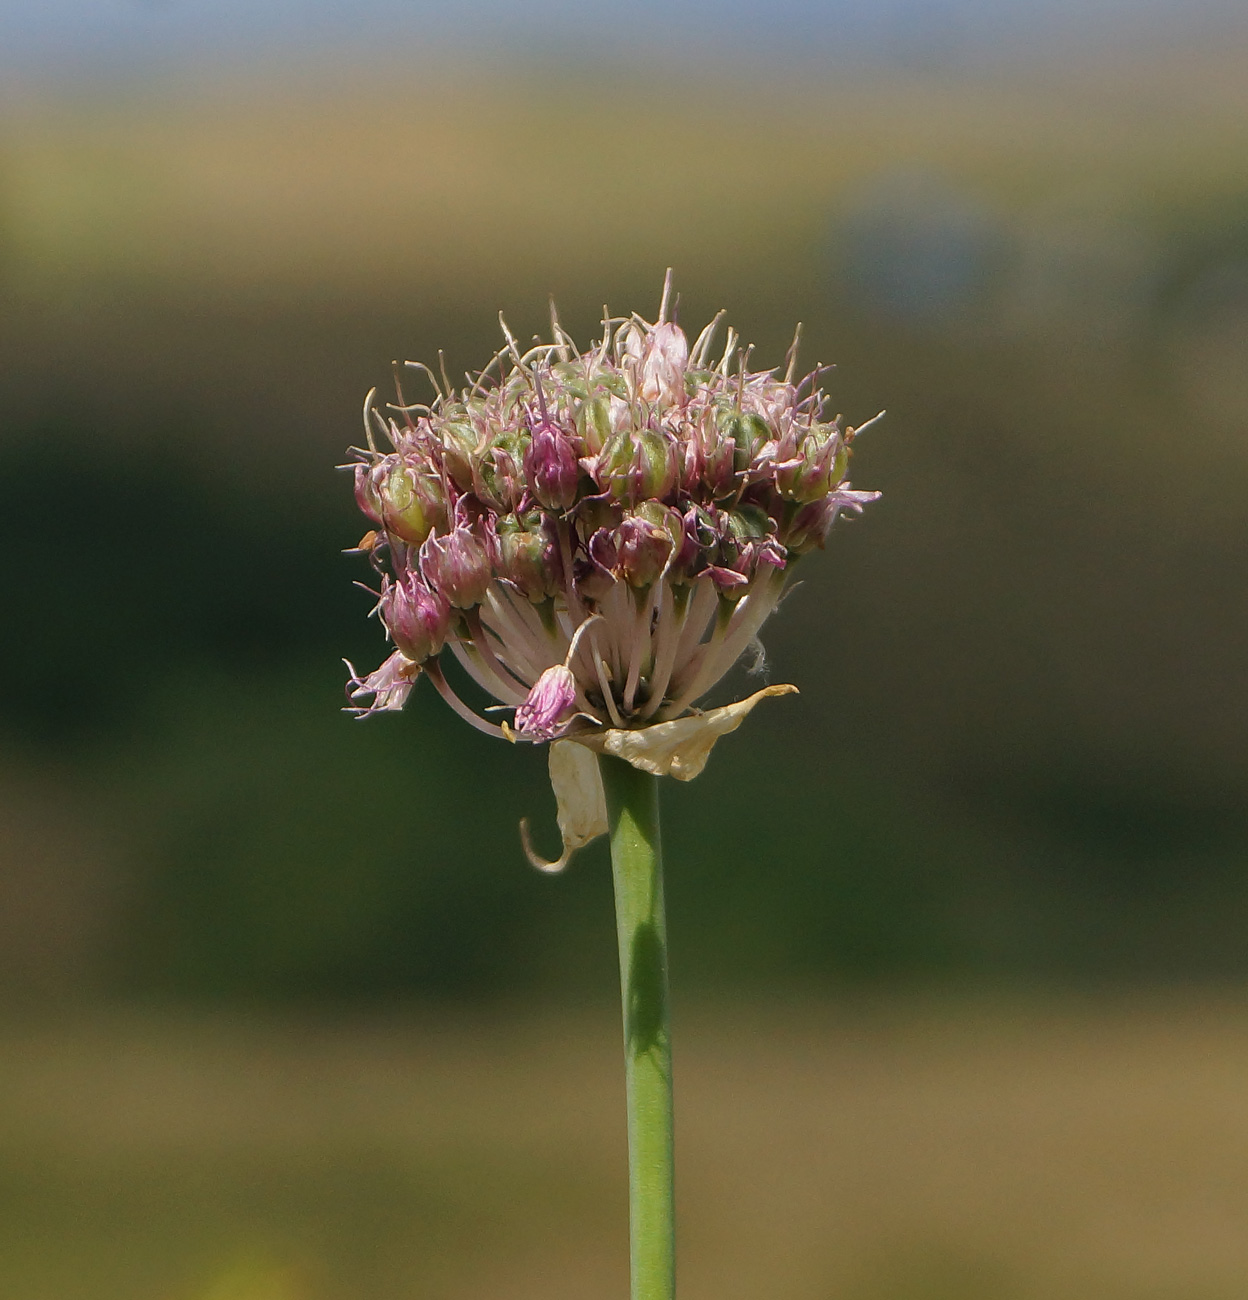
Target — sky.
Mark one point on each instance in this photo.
(54, 39)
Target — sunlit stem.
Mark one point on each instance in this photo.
(637, 869)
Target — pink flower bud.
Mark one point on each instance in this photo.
(418, 618)
(457, 566)
(551, 468)
(366, 496)
(663, 362)
(642, 548)
(719, 470)
(545, 710)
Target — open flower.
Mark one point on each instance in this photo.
(598, 536)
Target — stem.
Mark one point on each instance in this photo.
(637, 868)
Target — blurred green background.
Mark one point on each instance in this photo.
(1008, 813)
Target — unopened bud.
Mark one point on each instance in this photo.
(502, 472)
(719, 470)
(366, 496)
(657, 468)
(821, 467)
(643, 545)
(457, 566)
(412, 505)
(418, 618)
(810, 525)
(663, 365)
(551, 468)
(528, 558)
(459, 453)
(593, 423)
(748, 434)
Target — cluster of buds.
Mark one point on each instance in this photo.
(596, 536)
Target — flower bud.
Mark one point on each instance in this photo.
(698, 538)
(457, 566)
(748, 434)
(643, 545)
(551, 468)
(719, 470)
(636, 467)
(657, 467)
(547, 705)
(810, 525)
(411, 502)
(747, 524)
(418, 618)
(613, 467)
(459, 452)
(366, 495)
(527, 557)
(663, 361)
(822, 465)
(593, 423)
(501, 476)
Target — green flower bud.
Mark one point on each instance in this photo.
(412, 505)
(593, 423)
(459, 445)
(748, 433)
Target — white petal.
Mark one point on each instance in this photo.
(582, 805)
(678, 748)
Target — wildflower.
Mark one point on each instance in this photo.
(597, 537)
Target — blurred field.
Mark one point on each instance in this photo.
(829, 1151)
(1020, 748)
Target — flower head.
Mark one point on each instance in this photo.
(597, 536)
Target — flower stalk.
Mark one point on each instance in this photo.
(632, 798)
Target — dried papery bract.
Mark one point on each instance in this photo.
(597, 535)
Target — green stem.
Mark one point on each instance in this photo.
(637, 868)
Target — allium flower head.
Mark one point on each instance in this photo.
(597, 536)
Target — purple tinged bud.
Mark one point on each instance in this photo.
(663, 362)
(719, 470)
(552, 468)
(457, 566)
(459, 453)
(366, 496)
(502, 475)
(418, 618)
(728, 581)
(604, 551)
(821, 466)
(810, 525)
(544, 713)
(643, 546)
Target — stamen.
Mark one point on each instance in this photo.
(433, 670)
